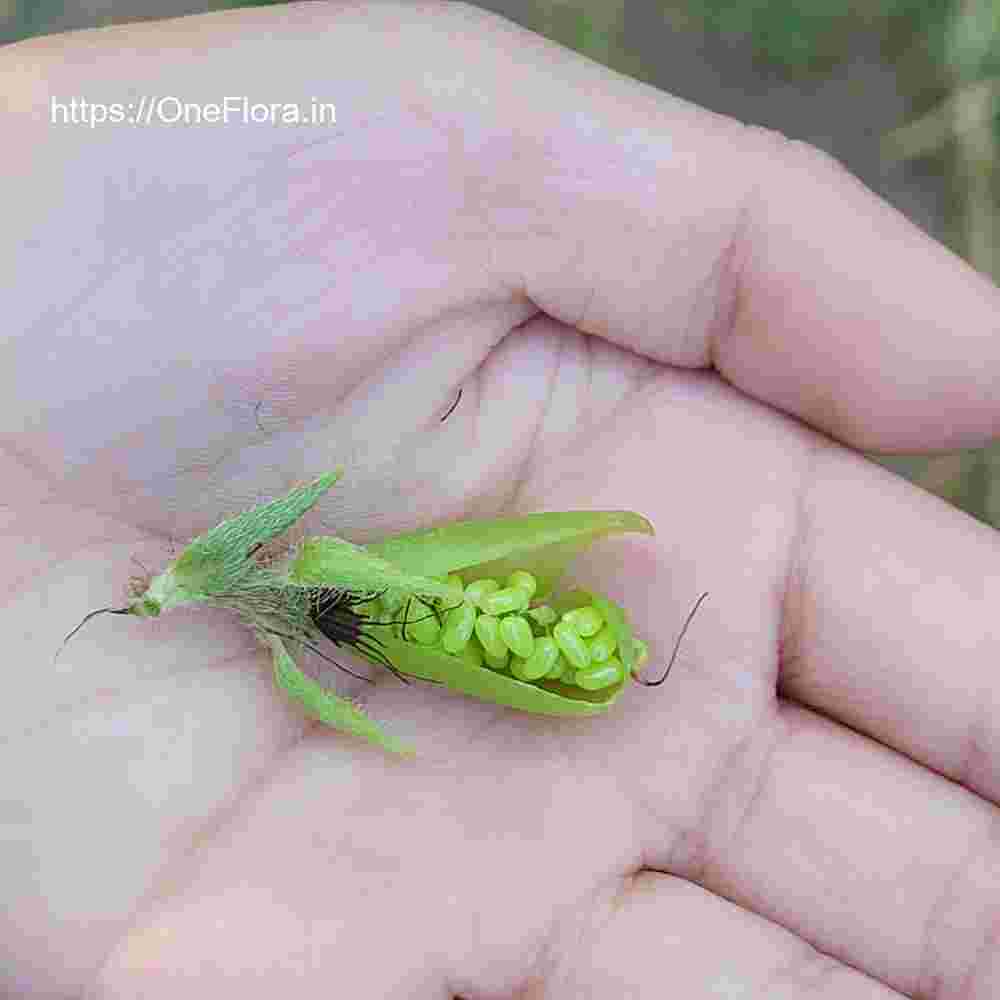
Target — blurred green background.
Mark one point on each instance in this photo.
(905, 93)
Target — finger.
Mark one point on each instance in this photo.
(869, 857)
(848, 316)
(891, 623)
(664, 936)
(739, 249)
(760, 256)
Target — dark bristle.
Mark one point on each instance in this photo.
(334, 615)
(677, 646)
(451, 409)
(86, 618)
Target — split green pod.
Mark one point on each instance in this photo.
(471, 605)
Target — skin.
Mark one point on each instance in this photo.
(649, 307)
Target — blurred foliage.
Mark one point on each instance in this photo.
(790, 36)
(794, 37)
(946, 57)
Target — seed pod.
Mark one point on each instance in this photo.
(422, 570)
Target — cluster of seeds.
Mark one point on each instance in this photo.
(498, 627)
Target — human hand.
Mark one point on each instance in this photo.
(646, 305)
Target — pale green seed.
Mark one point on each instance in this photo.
(544, 658)
(560, 668)
(600, 677)
(517, 636)
(543, 615)
(523, 581)
(472, 655)
(497, 662)
(426, 629)
(488, 633)
(521, 669)
(603, 645)
(640, 651)
(500, 602)
(571, 645)
(586, 621)
(458, 626)
(478, 589)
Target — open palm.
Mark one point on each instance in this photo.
(641, 302)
